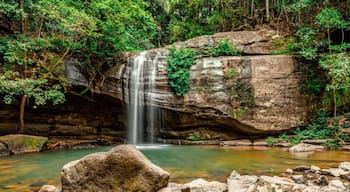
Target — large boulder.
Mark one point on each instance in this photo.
(123, 168)
(18, 143)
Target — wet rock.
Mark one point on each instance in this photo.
(240, 142)
(345, 177)
(260, 142)
(345, 166)
(198, 185)
(289, 171)
(238, 183)
(282, 144)
(315, 141)
(276, 183)
(301, 168)
(19, 143)
(337, 184)
(123, 168)
(311, 189)
(314, 169)
(324, 172)
(3, 150)
(336, 172)
(201, 185)
(345, 148)
(322, 181)
(304, 147)
(299, 179)
(49, 188)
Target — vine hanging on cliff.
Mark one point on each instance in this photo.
(178, 69)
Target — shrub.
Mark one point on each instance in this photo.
(225, 48)
(270, 141)
(178, 69)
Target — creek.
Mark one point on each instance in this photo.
(29, 172)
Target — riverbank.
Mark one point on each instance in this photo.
(15, 144)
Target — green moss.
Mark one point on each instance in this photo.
(282, 45)
(232, 73)
(196, 136)
(32, 143)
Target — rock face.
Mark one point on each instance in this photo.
(18, 144)
(123, 168)
(98, 118)
(262, 97)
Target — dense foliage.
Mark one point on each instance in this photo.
(178, 69)
(36, 37)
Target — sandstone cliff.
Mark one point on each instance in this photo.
(262, 97)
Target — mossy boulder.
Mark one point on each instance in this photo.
(18, 143)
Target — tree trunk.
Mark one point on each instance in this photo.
(334, 99)
(267, 7)
(21, 113)
(252, 9)
(24, 18)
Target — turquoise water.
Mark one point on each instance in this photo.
(184, 163)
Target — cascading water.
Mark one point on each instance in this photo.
(141, 92)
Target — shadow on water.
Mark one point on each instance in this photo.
(184, 163)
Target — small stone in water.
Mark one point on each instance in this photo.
(289, 171)
(301, 168)
(322, 181)
(315, 169)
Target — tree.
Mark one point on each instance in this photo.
(36, 37)
(337, 63)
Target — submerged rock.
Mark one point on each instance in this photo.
(345, 166)
(123, 168)
(19, 143)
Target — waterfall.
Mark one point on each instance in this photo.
(142, 113)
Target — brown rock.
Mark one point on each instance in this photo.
(303, 147)
(123, 168)
(18, 143)
(301, 168)
(240, 142)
